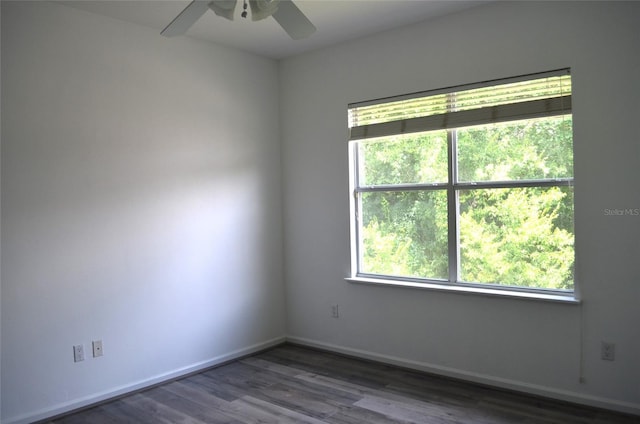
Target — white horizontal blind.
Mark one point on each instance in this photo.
(525, 97)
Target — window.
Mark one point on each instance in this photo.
(467, 187)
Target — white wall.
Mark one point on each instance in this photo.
(141, 205)
(534, 346)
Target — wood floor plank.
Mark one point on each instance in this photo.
(159, 412)
(124, 412)
(244, 377)
(439, 408)
(272, 366)
(404, 412)
(334, 394)
(184, 389)
(353, 414)
(184, 405)
(283, 414)
(218, 389)
(235, 409)
(290, 384)
(298, 400)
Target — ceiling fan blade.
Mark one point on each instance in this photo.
(186, 18)
(293, 21)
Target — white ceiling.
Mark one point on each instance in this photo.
(336, 21)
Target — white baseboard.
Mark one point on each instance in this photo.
(518, 386)
(95, 398)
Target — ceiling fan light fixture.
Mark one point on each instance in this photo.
(262, 9)
(285, 13)
(224, 8)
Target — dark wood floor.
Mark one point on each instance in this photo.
(294, 384)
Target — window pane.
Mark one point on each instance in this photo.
(519, 150)
(404, 234)
(404, 159)
(517, 237)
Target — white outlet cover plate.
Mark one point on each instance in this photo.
(97, 348)
(78, 353)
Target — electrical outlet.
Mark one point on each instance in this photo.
(78, 353)
(334, 311)
(97, 348)
(608, 351)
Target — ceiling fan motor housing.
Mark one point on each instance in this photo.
(260, 9)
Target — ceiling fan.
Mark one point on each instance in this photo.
(285, 12)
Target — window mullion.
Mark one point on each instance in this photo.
(403, 187)
(452, 207)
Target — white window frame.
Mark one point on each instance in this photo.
(502, 113)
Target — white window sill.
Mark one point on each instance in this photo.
(462, 289)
